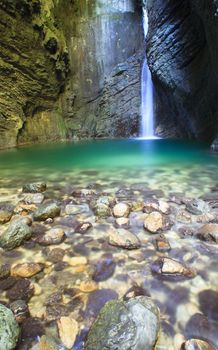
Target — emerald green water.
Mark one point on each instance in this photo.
(107, 154)
(129, 170)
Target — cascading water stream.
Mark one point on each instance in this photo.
(147, 105)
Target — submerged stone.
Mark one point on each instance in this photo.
(6, 212)
(208, 232)
(121, 210)
(123, 238)
(170, 267)
(125, 325)
(34, 187)
(154, 222)
(26, 269)
(20, 310)
(104, 269)
(68, 329)
(15, 234)
(47, 210)
(197, 344)
(9, 329)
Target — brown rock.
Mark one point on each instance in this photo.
(88, 286)
(68, 329)
(22, 289)
(154, 222)
(26, 269)
(5, 215)
(123, 238)
(56, 255)
(208, 232)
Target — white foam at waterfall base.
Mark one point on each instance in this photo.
(147, 100)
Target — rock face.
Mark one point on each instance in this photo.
(48, 94)
(9, 329)
(125, 325)
(182, 54)
(32, 73)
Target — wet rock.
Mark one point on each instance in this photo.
(68, 329)
(135, 291)
(34, 187)
(83, 227)
(150, 205)
(47, 343)
(164, 207)
(6, 212)
(32, 327)
(88, 286)
(73, 209)
(4, 271)
(9, 329)
(97, 300)
(104, 268)
(56, 255)
(55, 311)
(122, 222)
(53, 299)
(122, 324)
(154, 222)
(7, 283)
(170, 267)
(199, 325)
(162, 244)
(121, 210)
(22, 289)
(15, 234)
(20, 310)
(208, 300)
(26, 269)
(52, 236)
(34, 198)
(208, 232)
(123, 238)
(102, 207)
(196, 206)
(47, 210)
(197, 344)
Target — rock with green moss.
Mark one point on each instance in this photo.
(16, 233)
(125, 325)
(46, 211)
(9, 329)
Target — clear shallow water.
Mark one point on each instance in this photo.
(142, 168)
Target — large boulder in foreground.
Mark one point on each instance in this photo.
(125, 325)
(9, 329)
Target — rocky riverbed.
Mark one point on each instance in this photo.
(105, 260)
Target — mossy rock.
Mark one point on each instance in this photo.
(15, 234)
(125, 325)
(9, 329)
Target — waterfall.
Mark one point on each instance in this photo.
(147, 107)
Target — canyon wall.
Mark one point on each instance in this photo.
(69, 69)
(183, 54)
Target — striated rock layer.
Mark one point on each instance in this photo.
(68, 70)
(182, 54)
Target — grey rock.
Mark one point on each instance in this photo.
(34, 198)
(9, 329)
(16, 233)
(72, 209)
(6, 212)
(125, 325)
(208, 232)
(35, 187)
(197, 344)
(47, 210)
